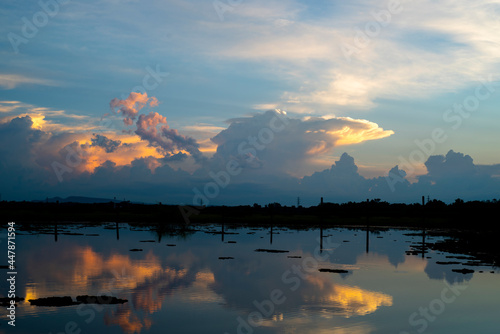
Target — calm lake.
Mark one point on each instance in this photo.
(248, 280)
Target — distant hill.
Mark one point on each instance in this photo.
(78, 199)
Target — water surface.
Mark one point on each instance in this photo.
(204, 281)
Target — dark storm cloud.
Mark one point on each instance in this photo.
(109, 145)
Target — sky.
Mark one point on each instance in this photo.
(248, 101)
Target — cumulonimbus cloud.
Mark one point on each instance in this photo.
(270, 148)
(294, 143)
(154, 128)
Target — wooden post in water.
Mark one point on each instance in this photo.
(222, 230)
(55, 232)
(117, 219)
(271, 233)
(423, 227)
(367, 238)
(321, 239)
(423, 243)
(368, 226)
(159, 232)
(321, 224)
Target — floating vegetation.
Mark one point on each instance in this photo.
(463, 271)
(271, 250)
(68, 301)
(337, 271)
(53, 301)
(5, 301)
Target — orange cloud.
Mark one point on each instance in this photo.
(131, 106)
(129, 322)
(132, 148)
(349, 300)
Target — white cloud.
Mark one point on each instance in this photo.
(11, 81)
(48, 119)
(429, 48)
(265, 106)
(295, 148)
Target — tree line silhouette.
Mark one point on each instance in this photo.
(433, 213)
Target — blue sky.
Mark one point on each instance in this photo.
(369, 78)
